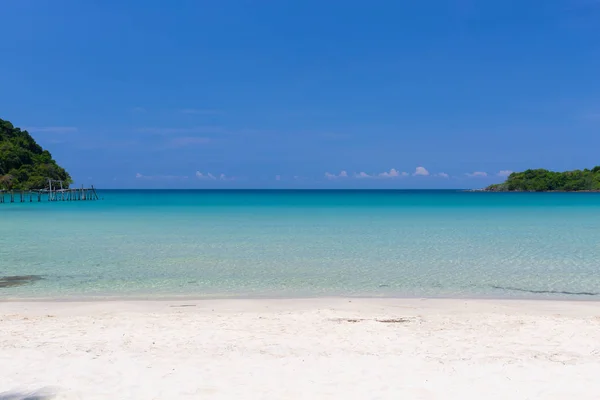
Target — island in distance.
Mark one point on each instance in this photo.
(542, 180)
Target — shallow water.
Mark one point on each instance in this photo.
(305, 243)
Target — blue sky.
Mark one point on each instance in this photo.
(406, 94)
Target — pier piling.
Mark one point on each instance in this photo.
(54, 192)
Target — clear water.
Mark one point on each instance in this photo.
(305, 243)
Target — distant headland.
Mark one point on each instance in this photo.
(543, 180)
(24, 164)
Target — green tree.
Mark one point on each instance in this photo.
(23, 162)
(541, 180)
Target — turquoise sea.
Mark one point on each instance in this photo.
(151, 244)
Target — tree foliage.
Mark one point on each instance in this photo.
(542, 180)
(23, 162)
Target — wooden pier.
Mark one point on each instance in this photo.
(54, 192)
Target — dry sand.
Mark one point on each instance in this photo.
(301, 349)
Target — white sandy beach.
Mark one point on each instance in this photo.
(301, 349)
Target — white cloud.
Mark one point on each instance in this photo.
(421, 171)
(443, 175)
(393, 173)
(160, 177)
(207, 176)
(210, 177)
(342, 174)
(362, 175)
(477, 174)
(504, 173)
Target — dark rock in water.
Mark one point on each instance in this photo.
(18, 280)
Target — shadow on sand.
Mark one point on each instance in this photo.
(41, 394)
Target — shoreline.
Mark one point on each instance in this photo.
(325, 348)
(342, 303)
(486, 190)
(583, 298)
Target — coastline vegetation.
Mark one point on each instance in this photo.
(24, 164)
(543, 180)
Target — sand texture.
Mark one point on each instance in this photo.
(300, 349)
